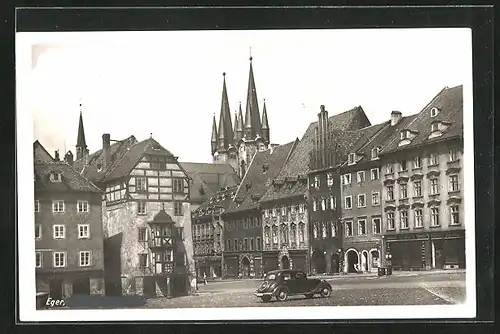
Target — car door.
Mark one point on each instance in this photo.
(288, 281)
(300, 282)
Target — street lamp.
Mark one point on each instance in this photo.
(388, 258)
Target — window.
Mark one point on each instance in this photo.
(362, 227)
(180, 232)
(83, 231)
(361, 176)
(275, 212)
(403, 188)
(333, 203)
(267, 235)
(316, 182)
(293, 209)
(376, 225)
(229, 245)
(390, 193)
(178, 209)
(361, 200)
(324, 230)
(434, 216)
(417, 188)
(434, 186)
(376, 198)
(82, 206)
(252, 244)
(333, 227)
(346, 179)
(143, 260)
(245, 244)
(301, 232)
(283, 210)
(293, 234)
(57, 206)
(348, 228)
(404, 134)
(390, 221)
(38, 231)
(403, 166)
(84, 259)
(315, 205)
(55, 177)
(434, 126)
(455, 215)
(404, 219)
(142, 233)
(59, 259)
(275, 234)
(453, 155)
(375, 174)
(178, 185)
(37, 206)
(59, 231)
(433, 159)
(329, 179)
(245, 223)
(375, 152)
(418, 218)
(417, 162)
(323, 204)
(315, 231)
(235, 245)
(140, 184)
(348, 202)
(389, 168)
(301, 208)
(141, 208)
(258, 244)
(454, 183)
(434, 112)
(351, 159)
(38, 260)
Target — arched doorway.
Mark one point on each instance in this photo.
(285, 262)
(364, 261)
(336, 263)
(352, 260)
(375, 259)
(319, 262)
(245, 267)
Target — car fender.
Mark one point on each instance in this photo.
(279, 287)
(320, 286)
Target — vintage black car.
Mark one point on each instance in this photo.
(287, 282)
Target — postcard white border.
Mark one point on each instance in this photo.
(26, 244)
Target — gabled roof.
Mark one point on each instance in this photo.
(72, 181)
(298, 164)
(450, 103)
(264, 167)
(209, 178)
(40, 154)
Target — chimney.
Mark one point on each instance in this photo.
(106, 150)
(56, 155)
(395, 117)
(69, 158)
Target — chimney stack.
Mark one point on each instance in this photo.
(69, 158)
(395, 117)
(56, 155)
(106, 150)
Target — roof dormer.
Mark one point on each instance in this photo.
(375, 153)
(438, 128)
(55, 177)
(351, 159)
(406, 136)
(435, 111)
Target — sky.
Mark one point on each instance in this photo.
(169, 84)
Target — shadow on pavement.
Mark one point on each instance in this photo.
(92, 302)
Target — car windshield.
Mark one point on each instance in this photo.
(270, 277)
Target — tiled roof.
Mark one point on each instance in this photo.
(298, 164)
(40, 154)
(210, 178)
(71, 179)
(256, 181)
(450, 103)
(221, 199)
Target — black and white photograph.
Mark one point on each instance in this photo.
(251, 174)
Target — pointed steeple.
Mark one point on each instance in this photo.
(221, 143)
(214, 135)
(235, 124)
(238, 133)
(252, 116)
(265, 124)
(225, 124)
(81, 145)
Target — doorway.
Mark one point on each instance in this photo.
(335, 263)
(56, 288)
(352, 258)
(364, 261)
(319, 262)
(375, 259)
(81, 286)
(285, 262)
(245, 267)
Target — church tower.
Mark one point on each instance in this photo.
(81, 145)
(237, 145)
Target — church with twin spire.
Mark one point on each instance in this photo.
(237, 145)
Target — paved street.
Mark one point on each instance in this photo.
(348, 290)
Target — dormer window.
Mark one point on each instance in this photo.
(434, 112)
(434, 126)
(404, 134)
(352, 159)
(55, 177)
(375, 152)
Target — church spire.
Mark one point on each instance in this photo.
(239, 125)
(265, 123)
(81, 145)
(214, 135)
(252, 115)
(226, 135)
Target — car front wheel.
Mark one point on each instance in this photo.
(266, 299)
(282, 295)
(326, 291)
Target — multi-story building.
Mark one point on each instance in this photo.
(243, 228)
(423, 220)
(68, 229)
(237, 146)
(290, 205)
(146, 215)
(208, 233)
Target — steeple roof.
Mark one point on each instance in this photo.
(214, 130)
(252, 116)
(225, 125)
(265, 123)
(239, 122)
(80, 141)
